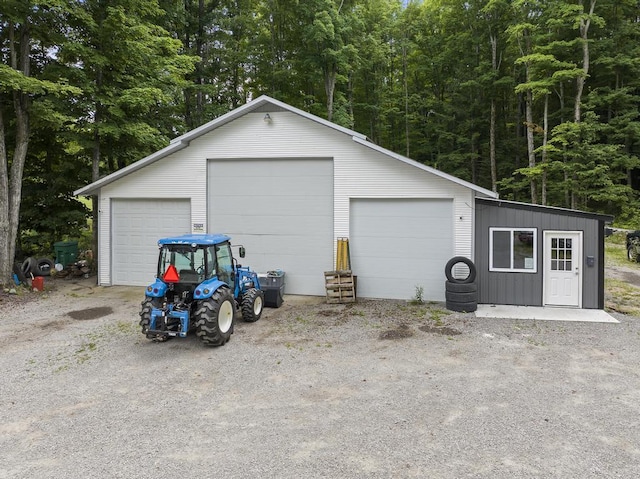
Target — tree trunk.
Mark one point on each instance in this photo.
(584, 36)
(474, 159)
(405, 91)
(492, 124)
(11, 179)
(530, 143)
(543, 159)
(5, 251)
(329, 88)
(95, 176)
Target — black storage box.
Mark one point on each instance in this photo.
(272, 283)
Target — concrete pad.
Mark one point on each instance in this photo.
(544, 313)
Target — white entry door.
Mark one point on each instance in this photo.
(563, 268)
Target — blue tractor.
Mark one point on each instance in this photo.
(199, 286)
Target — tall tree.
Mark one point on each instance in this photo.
(24, 30)
(131, 73)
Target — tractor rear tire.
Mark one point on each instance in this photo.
(252, 305)
(145, 318)
(214, 318)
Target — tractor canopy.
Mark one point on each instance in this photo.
(195, 240)
(191, 258)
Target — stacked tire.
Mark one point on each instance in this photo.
(37, 267)
(461, 294)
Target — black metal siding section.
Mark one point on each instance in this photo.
(526, 289)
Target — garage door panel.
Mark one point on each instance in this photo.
(281, 211)
(267, 188)
(137, 225)
(398, 244)
(315, 205)
(297, 245)
(411, 246)
(277, 168)
(271, 225)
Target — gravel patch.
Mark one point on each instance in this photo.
(376, 389)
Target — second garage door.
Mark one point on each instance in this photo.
(400, 244)
(137, 226)
(281, 210)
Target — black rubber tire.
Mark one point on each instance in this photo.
(43, 267)
(145, 318)
(29, 266)
(471, 297)
(252, 305)
(214, 318)
(460, 287)
(17, 270)
(448, 270)
(462, 307)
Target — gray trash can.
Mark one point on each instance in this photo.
(272, 283)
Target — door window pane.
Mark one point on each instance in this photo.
(561, 254)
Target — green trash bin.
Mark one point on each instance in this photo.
(66, 252)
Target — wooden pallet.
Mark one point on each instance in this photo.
(340, 286)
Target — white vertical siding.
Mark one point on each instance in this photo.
(180, 175)
(370, 174)
(359, 172)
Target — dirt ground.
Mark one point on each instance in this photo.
(373, 389)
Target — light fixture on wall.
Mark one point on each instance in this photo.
(267, 118)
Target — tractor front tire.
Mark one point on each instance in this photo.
(145, 318)
(252, 305)
(214, 318)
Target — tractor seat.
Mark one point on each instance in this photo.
(189, 276)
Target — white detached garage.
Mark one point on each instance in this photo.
(286, 184)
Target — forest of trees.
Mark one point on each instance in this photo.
(535, 99)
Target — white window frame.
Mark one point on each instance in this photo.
(511, 269)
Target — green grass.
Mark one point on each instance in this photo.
(620, 295)
(615, 249)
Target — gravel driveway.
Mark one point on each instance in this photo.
(378, 389)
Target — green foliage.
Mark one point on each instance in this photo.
(111, 82)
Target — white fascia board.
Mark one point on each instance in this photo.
(94, 187)
(408, 161)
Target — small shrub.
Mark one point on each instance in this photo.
(418, 298)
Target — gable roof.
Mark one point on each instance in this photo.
(265, 103)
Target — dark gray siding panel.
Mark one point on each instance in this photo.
(526, 289)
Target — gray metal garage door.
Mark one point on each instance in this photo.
(281, 210)
(398, 244)
(136, 227)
